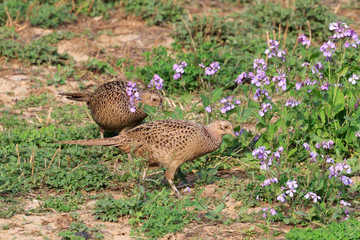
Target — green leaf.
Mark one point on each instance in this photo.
(292, 151)
(343, 71)
(205, 101)
(219, 208)
(216, 94)
(337, 100)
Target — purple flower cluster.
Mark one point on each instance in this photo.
(315, 69)
(270, 211)
(336, 169)
(312, 196)
(273, 50)
(328, 48)
(259, 93)
(342, 30)
(264, 108)
(133, 94)
(228, 104)
(266, 157)
(260, 79)
(354, 78)
(304, 40)
(307, 82)
(156, 82)
(346, 211)
(269, 181)
(241, 77)
(179, 70)
(214, 67)
(292, 103)
(281, 79)
(325, 144)
(290, 190)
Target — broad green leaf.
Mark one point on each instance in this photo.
(216, 94)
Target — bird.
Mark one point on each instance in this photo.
(168, 143)
(109, 106)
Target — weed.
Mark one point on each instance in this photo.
(79, 231)
(64, 203)
(156, 216)
(155, 12)
(100, 67)
(341, 230)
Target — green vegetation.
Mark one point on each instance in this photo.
(341, 230)
(154, 213)
(52, 13)
(155, 12)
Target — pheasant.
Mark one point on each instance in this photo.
(168, 143)
(109, 106)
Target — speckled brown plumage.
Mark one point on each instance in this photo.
(169, 143)
(109, 106)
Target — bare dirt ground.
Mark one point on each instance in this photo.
(129, 38)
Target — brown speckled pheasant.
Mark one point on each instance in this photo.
(109, 106)
(169, 143)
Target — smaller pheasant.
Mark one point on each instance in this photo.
(169, 143)
(109, 106)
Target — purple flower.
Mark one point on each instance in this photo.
(214, 67)
(272, 212)
(264, 108)
(328, 48)
(269, 181)
(259, 92)
(291, 192)
(342, 202)
(305, 64)
(291, 184)
(281, 197)
(292, 103)
(346, 180)
(179, 70)
(304, 40)
(281, 79)
(267, 210)
(157, 82)
(356, 104)
(313, 196)
(201, 65)
(313, 156)
(325, 86)
(261, 153)
(354, 78)
(273, 50)
(306, 146)
(133, 94)
(298, 86)
(357, 134)
(228, 104)
(259, 64)
(241, 77)
(208, 109)
(335, 171)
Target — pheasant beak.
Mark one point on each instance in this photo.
(232, 134)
